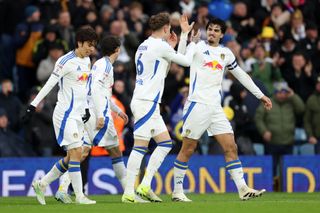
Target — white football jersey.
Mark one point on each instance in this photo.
(100, 90)
(207, 71)
(152, 61)
(72, 73)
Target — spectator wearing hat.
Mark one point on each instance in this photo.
(41, 48)
(312, 118)
(11, 104)
(277, 125)
(11, 145)
(26, 35)
(311, 44)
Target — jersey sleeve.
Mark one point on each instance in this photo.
(99, 89)
(243, 77)
(171, 55)
(59, 71)
(183, 43)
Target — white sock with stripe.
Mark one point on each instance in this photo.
(133, 168)
(180, 169)
(59, 168)
(156, 160)
(119, 169)
(235, 170)
(76, 178)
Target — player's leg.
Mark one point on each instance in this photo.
(118, 165)
(164, 145)
(62, 193)
(39, 186)
(140, 148)
(196, 121)
(234, 166)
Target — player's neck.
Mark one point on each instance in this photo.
(78, 53)
(157, 35)
(111, 59)
(213, 44)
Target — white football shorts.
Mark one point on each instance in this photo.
(148, 122)
(200, 117)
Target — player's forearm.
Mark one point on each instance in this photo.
(52, 81)
(247, 82)
(184, 60)
(183, 43)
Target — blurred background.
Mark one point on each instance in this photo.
(275, 41)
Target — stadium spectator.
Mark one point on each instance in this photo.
(242, 122)
(11, 104)
(65, 28)
(277, 125)
(264, 69)
(41, 48)
(26, 35)
(11, 145)
(39, 131)
(300, 76)
(312, 118)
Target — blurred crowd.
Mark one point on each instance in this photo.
(275, 41)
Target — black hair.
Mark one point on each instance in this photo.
(86, 34)
(109, 44)
(217, 21)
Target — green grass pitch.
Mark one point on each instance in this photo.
(215, 203)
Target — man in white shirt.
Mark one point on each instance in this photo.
(203, 111)
(152, 59)
(100, 130)
(71, 71)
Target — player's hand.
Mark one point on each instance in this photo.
(28, 114)
(195, 36)
(172, 40)
(312, 140)
(100, 122)
(184, 24)
(124, 117)
(267, 103)
(267, 135)
(86, 116)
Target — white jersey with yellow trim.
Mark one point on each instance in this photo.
(72, 73)
(207, 72)
(152, 61)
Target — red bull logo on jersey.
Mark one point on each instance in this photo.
(83, 77)
(214, 65)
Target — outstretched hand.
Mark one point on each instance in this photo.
(184, 24)
(195, 36)
(267, 103)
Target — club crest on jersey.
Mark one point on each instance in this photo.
(83, 77)
(222, 56)
(214, 65)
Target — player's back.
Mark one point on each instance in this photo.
(72, 95)
(151, 69)
(206, 72)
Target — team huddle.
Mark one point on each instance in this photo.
(82, 116)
